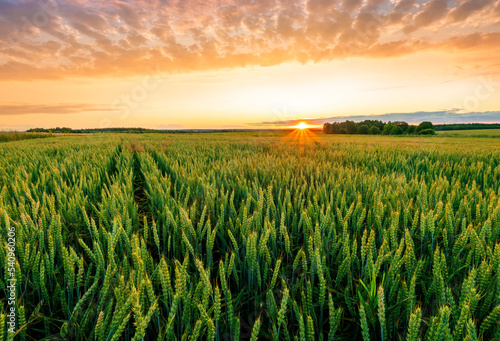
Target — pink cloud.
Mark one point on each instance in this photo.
(74, 38)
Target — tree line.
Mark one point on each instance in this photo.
(376, 127)
(466, 126)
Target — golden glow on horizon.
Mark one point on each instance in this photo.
(302, 125)
(241, 64)
(272, 97)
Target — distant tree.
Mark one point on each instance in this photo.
(36, 130)
(374, 130)
(375, 127)
(331, 128)
(350, 127)
(403, 125)
(424, 125)
(388, 128)
(427, 132)
(379, 124)
(363, 129)
(326, 128)
(396, 130)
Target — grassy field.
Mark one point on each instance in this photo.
(471, 133)
(263, 236)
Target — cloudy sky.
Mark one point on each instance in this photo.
(246, 63)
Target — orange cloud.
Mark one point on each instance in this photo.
(61, 39)
(57, 109)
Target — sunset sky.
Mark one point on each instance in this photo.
(246, 63)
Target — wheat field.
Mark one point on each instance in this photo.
(251, 236)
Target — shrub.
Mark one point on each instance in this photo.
(427, 132)
(425, 125)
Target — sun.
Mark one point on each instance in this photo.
(302, 125)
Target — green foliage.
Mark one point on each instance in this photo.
(427, 132)
(351, 127)
(373, 130)
(396, 130)
(424, 125)
(388, 128)
(363, 129)
(411, 129)
(403, 125)
(466, 126)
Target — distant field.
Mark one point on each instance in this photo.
(15, 136)
(471, 133)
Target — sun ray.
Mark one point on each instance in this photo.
(302, 136)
